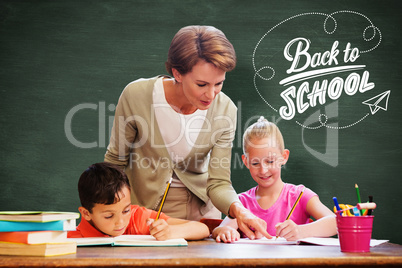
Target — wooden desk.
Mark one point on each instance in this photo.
(211, 254)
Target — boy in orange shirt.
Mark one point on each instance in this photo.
(106, 210)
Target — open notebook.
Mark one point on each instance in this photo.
(321, 241)
(129, 241)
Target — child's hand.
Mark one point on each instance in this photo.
(159, 229)
(288, 230)
(225, 234)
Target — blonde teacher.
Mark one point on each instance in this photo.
(182, 127)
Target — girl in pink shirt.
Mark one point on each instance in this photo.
(264, 155)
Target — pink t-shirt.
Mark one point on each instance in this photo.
(281, 208)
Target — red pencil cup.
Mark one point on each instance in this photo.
(354, 232)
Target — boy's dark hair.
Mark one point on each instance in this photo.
(100, 184)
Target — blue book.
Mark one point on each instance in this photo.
(61, 225)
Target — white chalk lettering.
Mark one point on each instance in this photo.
(353, 83)
(301, 52)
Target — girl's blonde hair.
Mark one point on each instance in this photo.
(195, 42)
(260, 130)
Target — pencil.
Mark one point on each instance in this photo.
(163, 199)
(358, 197)
(294, 205)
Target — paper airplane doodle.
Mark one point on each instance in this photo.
(378, 102)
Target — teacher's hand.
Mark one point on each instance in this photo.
(252, 226)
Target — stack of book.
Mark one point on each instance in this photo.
(36, 233)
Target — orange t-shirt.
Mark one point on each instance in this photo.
(136, 226)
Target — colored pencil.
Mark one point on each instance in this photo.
(163, 199)
(338, 208)
(358, 197)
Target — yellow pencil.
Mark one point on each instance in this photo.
(163, 199)
(294, 205)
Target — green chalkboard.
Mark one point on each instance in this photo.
(63, 65)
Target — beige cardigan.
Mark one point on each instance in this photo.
(137, 144)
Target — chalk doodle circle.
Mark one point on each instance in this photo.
(322, 118)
